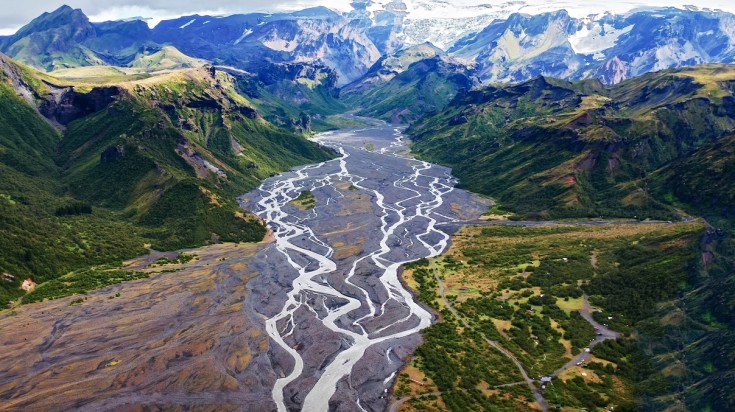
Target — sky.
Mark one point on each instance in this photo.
(15, 13)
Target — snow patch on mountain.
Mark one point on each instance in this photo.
(188, 24)
(454, 9)
(245, 33)
(668, 56)
(593, 38)
(443, 33)
(279, 44)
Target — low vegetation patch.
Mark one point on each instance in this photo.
(80, 282)
(76, 208)
(523, 288)
(182, 258)
(305, 201)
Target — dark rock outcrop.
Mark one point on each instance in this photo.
(64, 104)
(112, 154)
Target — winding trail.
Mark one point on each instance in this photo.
(537, 392)
(603, 333)
(359, 298)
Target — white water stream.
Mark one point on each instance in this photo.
(414, 197)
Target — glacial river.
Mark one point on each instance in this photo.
(343, 322)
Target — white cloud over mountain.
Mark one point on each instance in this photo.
(16, 14)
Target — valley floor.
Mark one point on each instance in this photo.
(170, 340)
(318, 313)
(526, 315)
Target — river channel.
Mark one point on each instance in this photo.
(340, 320)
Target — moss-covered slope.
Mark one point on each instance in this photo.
(415, 82)
(549, 148)
(116, 167)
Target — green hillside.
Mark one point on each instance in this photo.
(297, 97)
(151, 162)
(523, 287)
(145, 63)
(548, 148)
(650, 147)
(703, 181)
(413, 83)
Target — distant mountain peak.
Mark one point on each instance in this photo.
(504, 42)
(65, 8)
(64, 15)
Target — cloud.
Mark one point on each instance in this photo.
(15, 14)
(152, 16)
(155, 11)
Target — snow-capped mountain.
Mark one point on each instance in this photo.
(609, 47)
(517, 40)
(438, 22)
(453, 9)
(498, 42)
(315, 35)
(443, 22)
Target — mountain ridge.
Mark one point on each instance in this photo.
(513, 48)
(409, 84)
(669, 113)
(654, 147)
(157, 161)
